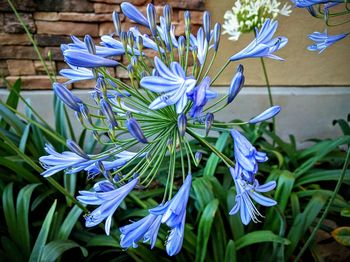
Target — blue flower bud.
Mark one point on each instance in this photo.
(107, 111)
(135, 130)
(170, 144)
(116, 22)
(75, 148)
(236, 84)
(134, 61)
(217, 32)
(131, 39)
(187, 17)
(81, 58)
(167, 16)
(267, 114)
(311, 10)
(151, 16)
(139, 41)
(182, 124)
(198, 157)
(84, 111)
(89, 43)
(181, 45)
(67, 96)
(124, 39)
(131, 71)
(206, 25)
(209, 119)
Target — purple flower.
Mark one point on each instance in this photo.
(134, 129)
(146, 228)
(67, 97)
(245, 192)
(131, 12)
(323, 40)
(266, 115)
(246, 156)
(172, 82)
(108, 201)
(200, 96)
(263, 45)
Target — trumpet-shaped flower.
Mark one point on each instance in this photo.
(69, 161)
(67, 97)
(176, 237)
(146, 228)
(263, 45)
(245, 192)
(131, 12)
(172, 82)
(307, 3)
(266, 115)
(75, 74)
(108, 202)
(200, 96)
(246, 156)
(202, 45)
(323, 40)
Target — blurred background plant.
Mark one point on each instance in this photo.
(41, 220)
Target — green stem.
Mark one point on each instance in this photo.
(331, 200)
(220, 71)
(268, 90)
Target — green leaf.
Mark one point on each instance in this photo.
(203, 197)
(53, 250)
(9, 211)
(342, 235)
(218, 238)
(213, 160)
(12, 100)
(304, 220)
(42, 237)
(12, 252)
(259, 237)
(24, 138)
(324, 175)
(344, 126)
(345, 212)
(103, 241)
(230, 254)
(22, 208)
(204, 229)
(69, 222)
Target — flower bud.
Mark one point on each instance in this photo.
(182, 124)
(134, 61)
(124, 39)
(84, 111)
(116, 22)
(194, 53)
(75, 148)
(131, 39)
(107, 111)
(181, 46)
(167, 16)
(131, 71)
(187, 16)
(236, 84)
(139, 42)
(266, 115)
(89, 43)
(206, 25)
(143, 74)
(135, 130)
(209, 119)
(217, 32)
(170, 144)
(198, 157)
(67, 97)
(151, 16)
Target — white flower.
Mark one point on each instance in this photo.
(246, 15)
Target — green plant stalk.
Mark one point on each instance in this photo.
(268, 89)
(31, 39)
(331, 200)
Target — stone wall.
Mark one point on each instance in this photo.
(51, 22)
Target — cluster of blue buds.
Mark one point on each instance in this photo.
(324, 9)
(162, 107)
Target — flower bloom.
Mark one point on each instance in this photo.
(263, 45)
(245, 192)
(307, 3)
(67, 97)
(200, 96)
(266, 115)
(82, 58)
(246, 156)
(323, 40)
(172, 82)
(202, 45)
(236, 84)
(108, 201)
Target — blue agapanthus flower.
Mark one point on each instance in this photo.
(75, 74)
(246, 156)
(82, 58)
(176, 237)
(264, 45)
(307, 3)
(173, 82)
(108, 201)
(266, 115)
(202, 45)
(323, 40)
(146, 228)
(245, 192)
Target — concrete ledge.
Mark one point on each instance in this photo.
(306, 112)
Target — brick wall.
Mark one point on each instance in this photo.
(53, 21)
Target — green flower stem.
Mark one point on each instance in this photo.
(331, 200)
(268, 90)
(31, 40)
(210, 64)
(220, 71)
(216, 103)
(224, 158)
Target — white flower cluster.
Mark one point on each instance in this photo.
(247, 14)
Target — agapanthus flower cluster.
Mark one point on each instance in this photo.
(247, 15)
(325, 10)
(150, 119)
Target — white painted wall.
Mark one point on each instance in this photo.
(306, 112)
